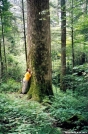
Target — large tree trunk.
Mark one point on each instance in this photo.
(39, 49)
(63, 45)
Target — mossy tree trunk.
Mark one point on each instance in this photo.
(39, 49)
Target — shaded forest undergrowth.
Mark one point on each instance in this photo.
(66, 112)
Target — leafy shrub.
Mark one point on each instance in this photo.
(25, 117)
(14, 67)
(10, 86)
(66, 106)
(15, 73)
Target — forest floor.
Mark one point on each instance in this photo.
(19, 115)
(23, 116)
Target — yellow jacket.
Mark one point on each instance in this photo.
(27, 76)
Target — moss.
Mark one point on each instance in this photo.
(39, 89)
(34, 93)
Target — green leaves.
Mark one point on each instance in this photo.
(18, 115)
(70, 110)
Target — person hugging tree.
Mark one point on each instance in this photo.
(26, 79)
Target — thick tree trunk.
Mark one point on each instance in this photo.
(39, 48)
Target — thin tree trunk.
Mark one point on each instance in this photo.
(63, 45)
(5, 64)
(0, 63)
(86, 6)
(72, 36)
(24, 30)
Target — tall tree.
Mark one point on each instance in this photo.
(0, 62)
(63, 45)
(24, 29)
(86, 4)
(39, 48)
(2, 32)
(72, 35)
(5, 25)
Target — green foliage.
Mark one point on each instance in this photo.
(77, 81)
(22, 116)
(14, 68)
(7, 17)
(19, 115)
(53, 15)
(66, 106)
(77, 84)
(82, 26)
(15, 73)
(10, 86)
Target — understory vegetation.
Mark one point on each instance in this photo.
(65, 112)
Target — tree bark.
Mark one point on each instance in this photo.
(39, 49)
(0, 62)
(24, 29)
(72, 32)
(63, 45)
(4, 63)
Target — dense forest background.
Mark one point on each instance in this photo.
(67, 111)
